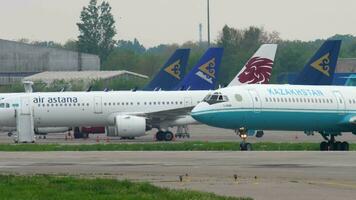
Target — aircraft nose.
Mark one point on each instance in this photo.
(198, 111)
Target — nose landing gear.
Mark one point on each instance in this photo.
(244, 146)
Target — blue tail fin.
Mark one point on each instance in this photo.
(321, 67)
(204, 74)
(171, 73)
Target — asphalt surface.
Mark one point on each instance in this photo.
(261, 175)
(197, 133)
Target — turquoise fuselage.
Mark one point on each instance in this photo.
(324, 109)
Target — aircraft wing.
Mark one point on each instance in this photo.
(167, 115)
(158, 117)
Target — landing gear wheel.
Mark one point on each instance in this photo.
(160, 136)
(245, 146)
(324, 146)
(344, 146)
(168, 136)
(337, 146)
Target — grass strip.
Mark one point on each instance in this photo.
(166, 146)
(44, 187)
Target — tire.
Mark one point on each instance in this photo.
(337, 146)
(324, 146)
(345, 146)
(160, 135)
(78, 135)
(248, 146)
(168, 136)
(243, 146)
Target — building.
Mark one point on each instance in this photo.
(346, 65)
(85, 78)
(18, 60)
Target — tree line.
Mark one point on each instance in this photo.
(97, 30)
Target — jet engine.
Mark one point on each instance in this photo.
(129, 126)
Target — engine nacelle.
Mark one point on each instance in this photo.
(129, 126)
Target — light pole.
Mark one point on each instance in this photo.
(208, 15)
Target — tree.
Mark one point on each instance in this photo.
(96, 29)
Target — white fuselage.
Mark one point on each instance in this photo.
(55, 109)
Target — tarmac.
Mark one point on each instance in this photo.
(197, 133)
(260, 175)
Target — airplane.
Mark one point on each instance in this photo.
(328, 110)
(132, 112)
(171, 73)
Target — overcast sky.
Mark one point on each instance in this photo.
(154, 22)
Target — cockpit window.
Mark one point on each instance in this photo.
(7, 105)
(216, 97)
(2, 105)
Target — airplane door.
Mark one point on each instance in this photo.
(341, 104)
(98, 108)
(256, 100)
(25, 105)
(187, 101)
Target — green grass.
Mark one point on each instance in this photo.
(51, 187)
(169, 146)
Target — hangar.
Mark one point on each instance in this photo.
(18, 60)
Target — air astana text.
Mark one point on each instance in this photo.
(297, 92)
(55, 100)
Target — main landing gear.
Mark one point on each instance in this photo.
(244, 146)
(331, 145)
(164, 136)
(182, 132)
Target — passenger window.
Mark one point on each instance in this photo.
(104, 104)
(256, 99)
(266, 99)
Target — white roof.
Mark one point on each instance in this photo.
(50, 76)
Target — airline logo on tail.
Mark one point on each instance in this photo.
(322, 64)
(207, 71)
(257, 71)
(174, 69)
